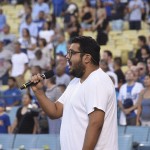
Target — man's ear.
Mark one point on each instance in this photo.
(88, 58)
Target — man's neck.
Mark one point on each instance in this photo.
(88, 72)
(130, 83)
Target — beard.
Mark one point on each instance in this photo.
(78, 70)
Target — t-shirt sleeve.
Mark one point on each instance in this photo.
(96, 96)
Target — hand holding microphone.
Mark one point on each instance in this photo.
(36, 80)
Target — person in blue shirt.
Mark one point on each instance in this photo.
(4, 120)
(2, 20)
(12, 96)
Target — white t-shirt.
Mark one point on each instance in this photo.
(47, 35)
(136, 14)
(123, 95)
(79, 100)
(18, 64)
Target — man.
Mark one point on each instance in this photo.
(88, 106)
(12, 96)
(128, 96)
(136, 8)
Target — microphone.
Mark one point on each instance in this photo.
(45, 75)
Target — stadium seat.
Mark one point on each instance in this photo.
(6, 140)
(12, 113)
(144, 146)
(27, 140)
(140, 133)
(48, 140)
(121, 130)
(125, 142)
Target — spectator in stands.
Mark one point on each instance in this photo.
(28, 43)
(135, 70)
(143, 111)
(25, 117)
(4, 120)
(104, 66)
(40, 5)
(57, 7)
(127, 98)
(6, 36)
(108, 4)
(62, 87)
(145, 53)
(12, 96)
(68, 10)
(53, 92)
(31, 26)
(25, 12)
(41, 20)
(108, 57)
(102, 27)
(74, 28)
(141, 43)
(131, 62)
(61, 60)
(46, 51)
(2, 20)
(136, 8)
(47, 32)
(5, 65)
(118, 71)
(62, 45)
(40, 60)
(86, 15)
(148, 65)
(61, 76)
(117, 15)
(142, 71)
(100, 11)
(19, 64)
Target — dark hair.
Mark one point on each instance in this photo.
(133, 60)
(109, 53)
(90, 46)
(27, 30)
(12, 78)
(118, 61)
(142, 38)
(146, 48)
(43, 41)
(53, 80)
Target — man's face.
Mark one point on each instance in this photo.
(105, 56)
(129, 76)
(76, 66)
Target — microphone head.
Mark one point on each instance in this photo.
(49, 74)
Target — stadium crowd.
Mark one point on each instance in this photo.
(41, 44)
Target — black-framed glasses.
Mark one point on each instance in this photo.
(71, 52)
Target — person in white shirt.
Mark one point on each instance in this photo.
(28, 24)
(40, 6)
(88, 105)
(136, 8)
(129, 90)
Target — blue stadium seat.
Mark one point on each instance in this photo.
(12, 113)
(6, 140)
(144, 146)
(121, 130)
(125, 142)
(140, 133)
(51, 141)
(27, 140)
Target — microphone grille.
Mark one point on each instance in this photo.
(49, 74)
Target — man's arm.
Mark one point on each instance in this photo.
(96, 120)
(53, 110)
